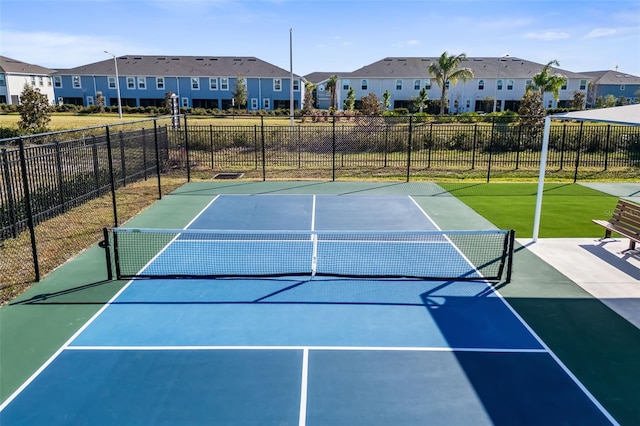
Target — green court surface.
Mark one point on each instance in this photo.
(596, 345)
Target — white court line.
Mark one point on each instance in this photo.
(578, 383)
(67, 344)
(302, 419)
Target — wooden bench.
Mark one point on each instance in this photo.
(625, 221)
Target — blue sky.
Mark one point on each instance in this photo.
(329, 35)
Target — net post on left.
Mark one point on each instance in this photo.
(107, 250)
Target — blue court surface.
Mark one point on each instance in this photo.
(302, 350)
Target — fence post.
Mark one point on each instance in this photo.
(493, 126)
(409, 147)
(157, 151)
(475, 146)
(9, 191)
(264, 154)
(606, 148)
(212, 146)
(578, 149)
(112, 178)
(27, 202)
(255, 145)
(186, 148)
(333, 149)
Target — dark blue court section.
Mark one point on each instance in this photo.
(162, 387)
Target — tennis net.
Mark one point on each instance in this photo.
(197, 253)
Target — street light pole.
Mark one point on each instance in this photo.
(115, 61)
(495, 98)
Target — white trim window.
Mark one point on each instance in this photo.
(364, 84)
(90, 101)
(622, 87)
(111, 82)
(76, 82)
(195, 83)
(480, 84)
(254, 103)
(296, 85)
(224, 83)
(346, 84)
(41, 81)
(499, 84)
(131, 83)
(427, 84)
(185, 102)
(277, 85)
(3, 81)
(416, 84)
(142, 83)
(160, 83)
(266, 103)
(33, 80)
(213, 83)
(509, 84)
(57, 81)
(583, 84)
(398, 84)
(49, 81)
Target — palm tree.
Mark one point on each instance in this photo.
(420, 101)
(332, 85)
(446, 71)
(545, 82)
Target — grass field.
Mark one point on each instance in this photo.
(567, 209)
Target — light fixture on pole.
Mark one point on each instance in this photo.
(495, 98)
(115, 61)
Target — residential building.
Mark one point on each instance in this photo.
(15, 74)
(321, 95)
(497, 80)
(198, 81)
(624, 87)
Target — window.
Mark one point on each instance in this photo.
(364, 85)
(131, 83)
(160, 83)
(185, 102)
(277, 85)
(266, 103)
(416, 84)
(195, 83)
(499, 84)
(622, 87)
(583, 84)
(564, 86)
(57, 81)
(346, 84)
(509, 84)
(41, 81)
(254, 103)
(3, 82)
(213, 84)
(528, 83)
(480, 84)
(550, 104)
(33, 80)
(427, 84)
(142, 83)
(468, 103)
(89, 100)
(296, 85)
(76, 81)
(398, 84)
(49, 81)
(224, 83)
(112, 82)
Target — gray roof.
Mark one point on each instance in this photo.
(182, 66)
(612, 77)
(482, 67)
(13, 66)
(320, 76)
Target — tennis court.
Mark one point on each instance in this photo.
(295, 311)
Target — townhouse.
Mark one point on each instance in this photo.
(14, 74)
(624, 87)
(197, 81)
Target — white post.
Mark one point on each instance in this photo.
(543, 169)
(291, 100)
(115, 61)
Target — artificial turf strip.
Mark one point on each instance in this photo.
(567, 209)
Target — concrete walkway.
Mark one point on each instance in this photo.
(599, 267)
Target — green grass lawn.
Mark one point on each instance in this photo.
(567, 209)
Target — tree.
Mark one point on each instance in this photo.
(34, 110)
(386, 100)
(420, 101)
(531, 108)
(309, 102)
(240, 93)
(350, 102)
(578, 101)
(370, 105)
(332, 86)
(447, 72)
(545, 82)
(100, 101)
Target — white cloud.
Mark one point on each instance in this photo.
(413, 43)
(600, 32)
(547, 35)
